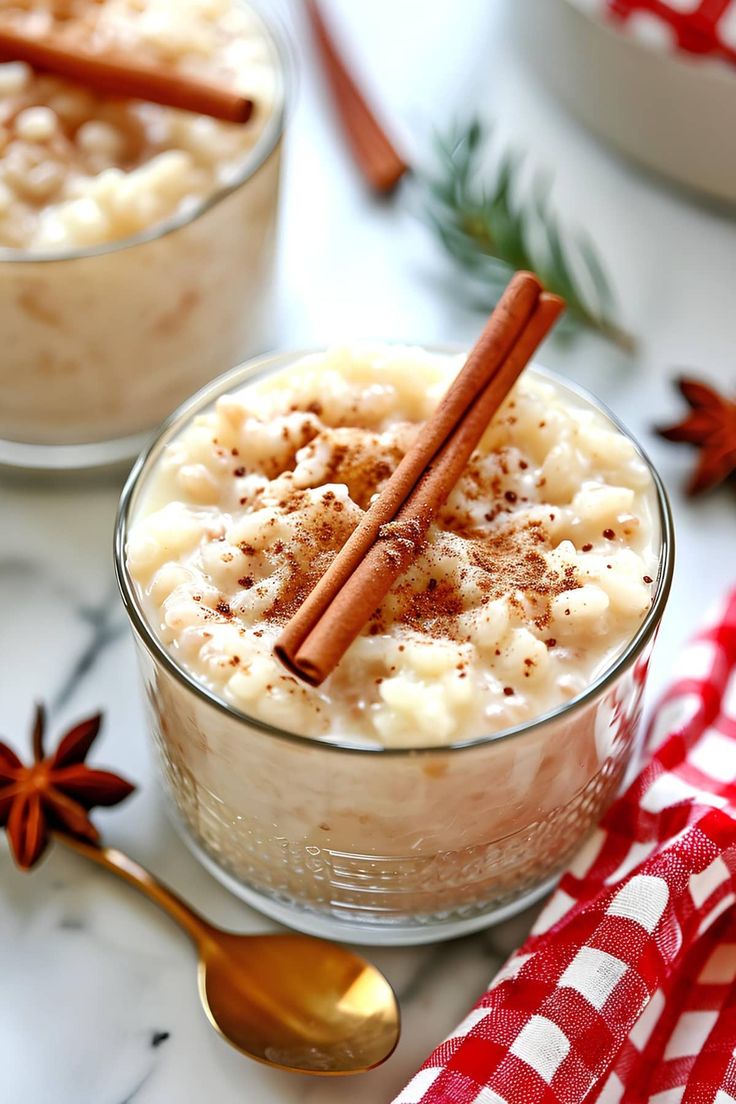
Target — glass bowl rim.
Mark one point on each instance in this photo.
(258, 156)
(258, 367)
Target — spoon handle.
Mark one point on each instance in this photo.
(136, 875)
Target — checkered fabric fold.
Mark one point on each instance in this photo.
(704, 27)
(625, 992)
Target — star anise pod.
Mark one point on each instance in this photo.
(55, 791)
(711, 426)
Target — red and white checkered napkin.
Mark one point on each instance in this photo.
(706, 27)
(625, 992)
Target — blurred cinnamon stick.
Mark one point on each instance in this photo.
(375, 155)
(120, 75)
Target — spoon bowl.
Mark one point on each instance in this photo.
(290, 1001)
(298, 1003)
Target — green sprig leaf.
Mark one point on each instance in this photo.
(490, 231)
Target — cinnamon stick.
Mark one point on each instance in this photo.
(122, 75)
(501, 332)
(374, 153)
(313, 656)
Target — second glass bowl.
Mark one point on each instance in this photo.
(100, 343)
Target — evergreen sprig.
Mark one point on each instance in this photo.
(490, 231)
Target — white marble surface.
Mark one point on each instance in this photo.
(98, 1001)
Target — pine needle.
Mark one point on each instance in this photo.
(490, 232)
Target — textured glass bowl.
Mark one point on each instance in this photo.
(383, 845)
(99, 344)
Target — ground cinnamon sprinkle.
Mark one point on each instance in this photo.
(408, 533)
(359, 458)
(297, 582)
(431, 611)
(310, 553)
(508, 563)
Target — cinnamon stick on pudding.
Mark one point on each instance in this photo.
(392, 532)
(504, 327)
(66, 54)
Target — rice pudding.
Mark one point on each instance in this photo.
(136, 240)
(536, 574)
(394, 803)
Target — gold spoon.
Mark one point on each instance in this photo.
(290, 1001)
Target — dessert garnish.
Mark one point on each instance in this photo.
(66, 53)
(375, 154)
(391, 533)
(55, 792)
(711, 426)
(490, 226)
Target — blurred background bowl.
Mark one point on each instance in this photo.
(672, 112)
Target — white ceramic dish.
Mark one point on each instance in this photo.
(671, 112)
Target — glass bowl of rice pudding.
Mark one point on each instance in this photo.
(136, 240)
(485, 718)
